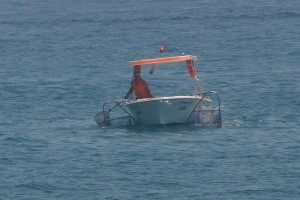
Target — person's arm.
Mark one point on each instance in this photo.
(129, 92)
(147, 88)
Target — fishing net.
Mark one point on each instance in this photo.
(125, 121)
(208, 111)
(102, 119)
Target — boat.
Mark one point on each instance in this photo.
(197, 107)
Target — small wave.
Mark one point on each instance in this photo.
(174, 18)
(37, 186)
(16, 139)
(233, 123)
(282, 15)
(83, 20)
(294, 53)
(279, 15)
(240, 17)
(242, 122)
(5, 160)
(11, 139)
(7, 123)
(177, 18)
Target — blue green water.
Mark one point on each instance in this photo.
(60, 60)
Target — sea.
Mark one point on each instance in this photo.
(60, 60)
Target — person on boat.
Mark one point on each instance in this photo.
(139, 86)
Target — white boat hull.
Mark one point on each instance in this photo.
(163, 110)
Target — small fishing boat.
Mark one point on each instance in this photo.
(198, 107)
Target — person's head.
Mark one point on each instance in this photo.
(137, 71)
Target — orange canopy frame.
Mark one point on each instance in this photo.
(162, 60)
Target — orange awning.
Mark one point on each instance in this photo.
(162, 60)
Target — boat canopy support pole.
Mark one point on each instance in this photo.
(198, 85)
